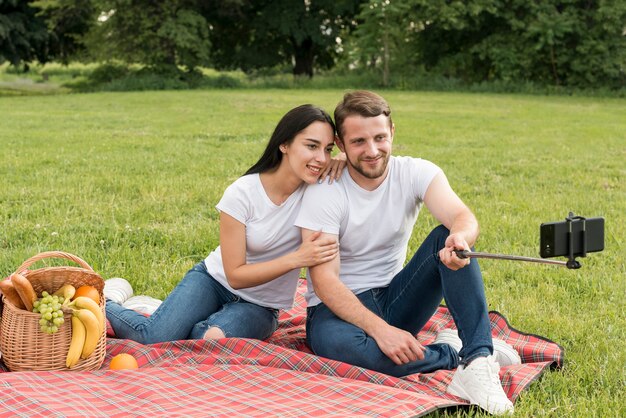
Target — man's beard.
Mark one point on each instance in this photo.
(373, 173)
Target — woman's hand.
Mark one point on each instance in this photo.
(334, 168)
(315, 250)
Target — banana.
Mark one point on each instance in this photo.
(83, 302)
(67, 291)
(92, 331)
(77, 342)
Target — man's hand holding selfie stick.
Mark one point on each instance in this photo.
(574, 237)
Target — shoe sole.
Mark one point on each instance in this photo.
(457, 390)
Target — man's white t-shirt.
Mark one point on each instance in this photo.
(270, 233)
(374, 227)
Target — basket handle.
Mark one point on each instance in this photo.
(53, 254)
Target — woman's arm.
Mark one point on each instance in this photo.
(241, 275)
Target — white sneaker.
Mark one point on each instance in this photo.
(117, 289)
(504, 354)
(479, 383)
(143, 304)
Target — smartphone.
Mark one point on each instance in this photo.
(554, 241)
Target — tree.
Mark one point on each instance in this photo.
(381, 35)
(68, 21)
(158, 34)
(256, 34)
(23, 35)
(571, 42)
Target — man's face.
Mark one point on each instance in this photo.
(367, 144)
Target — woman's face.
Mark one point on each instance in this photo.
(309, 152)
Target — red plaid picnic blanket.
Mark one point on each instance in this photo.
(240, 377)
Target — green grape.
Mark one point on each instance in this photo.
(50, 311)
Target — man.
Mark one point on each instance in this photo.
(364, 307)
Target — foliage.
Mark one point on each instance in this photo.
(68, 22)
(574, 42)
(253, 34)
(23, 35)
(382, 37)
(157, 34)
(554, 44)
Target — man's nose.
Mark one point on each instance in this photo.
(372, 149)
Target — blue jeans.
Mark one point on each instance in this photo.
(197, 303)
(408, 303)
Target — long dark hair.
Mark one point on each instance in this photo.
(294, 121)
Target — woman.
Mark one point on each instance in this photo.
(239, 288)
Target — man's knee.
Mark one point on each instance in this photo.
(441, 231)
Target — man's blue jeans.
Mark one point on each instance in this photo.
(197, 303)
(408, 303)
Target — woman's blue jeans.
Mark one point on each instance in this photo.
(197, 303)
(408, 303)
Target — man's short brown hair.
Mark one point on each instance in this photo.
(363, 103)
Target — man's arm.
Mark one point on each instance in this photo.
(450, 210)
(399, 345)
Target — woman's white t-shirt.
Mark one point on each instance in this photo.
(270, 233)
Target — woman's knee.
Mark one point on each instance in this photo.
(214, 333)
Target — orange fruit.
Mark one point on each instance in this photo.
(123, 361)
(88, 291)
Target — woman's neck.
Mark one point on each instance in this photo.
(280, 183)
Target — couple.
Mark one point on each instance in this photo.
(364, 305)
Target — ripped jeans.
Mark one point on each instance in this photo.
(196, 304)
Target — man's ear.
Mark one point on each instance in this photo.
(393, 131)
(339, 143)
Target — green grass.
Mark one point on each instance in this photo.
(129, 181)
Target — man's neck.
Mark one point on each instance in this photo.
(367, 183)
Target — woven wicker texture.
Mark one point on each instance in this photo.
(24, 346)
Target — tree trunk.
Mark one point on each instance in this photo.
(386, 58)
(553, 62)
(304, 58)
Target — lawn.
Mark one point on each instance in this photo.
(129, 182)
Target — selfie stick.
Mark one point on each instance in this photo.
(470, 254)
(571, 263)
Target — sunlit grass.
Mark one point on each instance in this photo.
(129, 181)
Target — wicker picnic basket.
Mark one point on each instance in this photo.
(23, 345)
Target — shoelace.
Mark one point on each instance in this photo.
(490, 373)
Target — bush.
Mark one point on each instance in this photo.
(107, 73)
